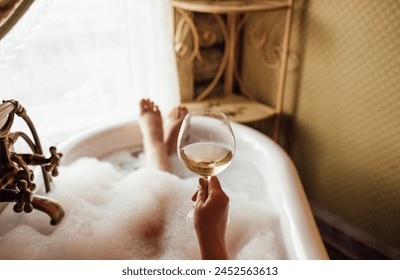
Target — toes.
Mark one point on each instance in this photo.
(146, 105)
(181, 112)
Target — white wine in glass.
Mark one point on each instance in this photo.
(206, 158)
(206, 143)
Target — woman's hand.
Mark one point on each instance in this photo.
(210, 218)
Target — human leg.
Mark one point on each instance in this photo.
(151, 126)
(172, 126)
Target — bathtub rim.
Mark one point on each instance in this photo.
(308, 246)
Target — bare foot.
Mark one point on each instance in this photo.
(150, 122)
(172, 126)
(151, 125)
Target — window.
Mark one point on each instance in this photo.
(77, 64)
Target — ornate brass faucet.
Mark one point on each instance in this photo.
(16, 179)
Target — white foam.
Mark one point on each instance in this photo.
(111, 211)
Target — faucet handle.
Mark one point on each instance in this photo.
(54, 161)
(26, 197)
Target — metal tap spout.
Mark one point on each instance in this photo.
(50, 207)
(27, 201)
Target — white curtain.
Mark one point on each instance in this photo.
(76, 64)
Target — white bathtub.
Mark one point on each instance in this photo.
(299, 232)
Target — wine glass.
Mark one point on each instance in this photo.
(206, 144)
